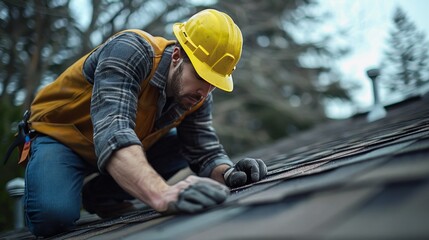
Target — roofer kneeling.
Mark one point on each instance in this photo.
(136, 109)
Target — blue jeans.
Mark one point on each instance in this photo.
(54, 180)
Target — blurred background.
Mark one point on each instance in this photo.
(303, 61)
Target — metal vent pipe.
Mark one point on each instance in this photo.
(377, 110)
(15, 188)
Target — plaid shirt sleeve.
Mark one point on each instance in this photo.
(200, 143)
(116, 70)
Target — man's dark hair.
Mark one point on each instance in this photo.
(183, 53)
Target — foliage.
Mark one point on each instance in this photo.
(11, 170)
(35, 44)
(405, 68)
(281, 82)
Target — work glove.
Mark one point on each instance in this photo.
(247, 170)
(199, 196)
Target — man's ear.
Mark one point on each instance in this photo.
(175, 57)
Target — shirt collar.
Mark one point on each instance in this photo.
(159, 79)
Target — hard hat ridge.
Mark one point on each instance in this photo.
(213, 43)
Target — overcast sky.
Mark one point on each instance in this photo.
(369, 23)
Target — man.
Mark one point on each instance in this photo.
(137, 109)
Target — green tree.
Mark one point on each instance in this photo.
(35, 44)
(405, 68)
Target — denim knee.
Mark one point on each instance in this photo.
(53, 182)
(51, 218)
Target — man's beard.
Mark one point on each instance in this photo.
(176, 87)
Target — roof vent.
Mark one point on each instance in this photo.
(377, 111)
(15, 188)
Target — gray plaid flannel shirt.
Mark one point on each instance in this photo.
(116, 70)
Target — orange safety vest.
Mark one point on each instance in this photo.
(61, 110)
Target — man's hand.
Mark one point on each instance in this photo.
(246, 171)
(130, 169)
(195, 194)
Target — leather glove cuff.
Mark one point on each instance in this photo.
(227, 173)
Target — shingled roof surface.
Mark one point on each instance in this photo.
(343, 179)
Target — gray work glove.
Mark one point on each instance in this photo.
(198, 197)
(247, 170)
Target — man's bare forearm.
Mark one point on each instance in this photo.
(131, 170)
(218, 171)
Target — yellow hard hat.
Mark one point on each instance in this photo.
(213, 43)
